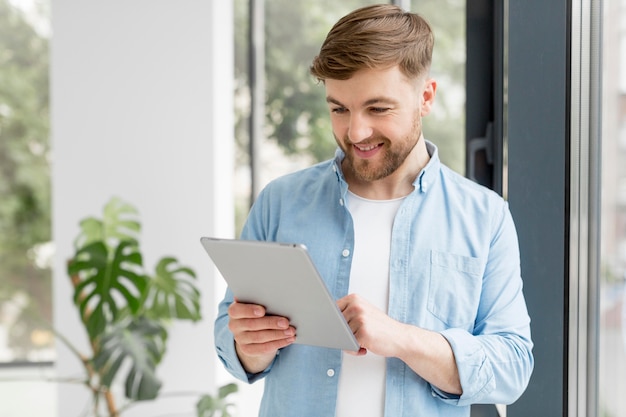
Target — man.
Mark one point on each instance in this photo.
(424, 263)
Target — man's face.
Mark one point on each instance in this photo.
(377, 119)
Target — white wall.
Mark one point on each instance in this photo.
(142, 109)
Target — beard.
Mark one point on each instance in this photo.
(394, 154)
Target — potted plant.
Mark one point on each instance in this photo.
(126, 310)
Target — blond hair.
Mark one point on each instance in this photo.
(379, 36)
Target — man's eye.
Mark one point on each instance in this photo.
(379, 109)
(338, 110)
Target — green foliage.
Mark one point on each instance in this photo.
(210, 406)
(24, 171)
(124, 309)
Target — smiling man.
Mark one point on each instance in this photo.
(423, 262)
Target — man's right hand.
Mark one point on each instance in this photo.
(257, 336)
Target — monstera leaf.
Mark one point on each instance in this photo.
(105, 286)
(172, 294)
(119, 222)
(138, 344)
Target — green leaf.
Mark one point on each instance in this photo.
(107, 284)
(206, 407)
(172, 293)
(138, 344)
(225, 390)
(119, 222)
(209, 406)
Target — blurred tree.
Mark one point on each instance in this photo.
(25, 279)
(296, 111)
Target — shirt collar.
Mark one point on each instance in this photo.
(426, 178)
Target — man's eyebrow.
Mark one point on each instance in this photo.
(331, 100)
(375, 100)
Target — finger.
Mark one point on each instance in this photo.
(343, 302)
(242, 310)
(256, 349)
(261, 330)
(261, 323)
(347, 301)
(264, 336)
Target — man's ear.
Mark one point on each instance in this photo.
(428, 96)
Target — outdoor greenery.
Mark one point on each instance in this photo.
(25, 232)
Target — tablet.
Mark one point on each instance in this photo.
(282, 278)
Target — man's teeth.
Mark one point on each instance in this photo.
(366, 148)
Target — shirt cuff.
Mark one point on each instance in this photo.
(475, 371)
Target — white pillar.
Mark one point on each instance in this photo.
(142, 109)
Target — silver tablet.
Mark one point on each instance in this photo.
(282, 278)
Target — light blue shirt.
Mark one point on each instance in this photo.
(454, 268)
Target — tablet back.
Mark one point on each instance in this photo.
(282, 278)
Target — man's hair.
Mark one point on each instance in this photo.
(375, 37)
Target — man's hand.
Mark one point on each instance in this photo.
(426, 352)
(257, 336)
(372, 328)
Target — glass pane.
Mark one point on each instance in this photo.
(612, 360)
(445, 126)
(25, 235)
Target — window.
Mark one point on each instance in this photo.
(25, 235)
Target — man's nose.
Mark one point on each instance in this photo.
(359, 128)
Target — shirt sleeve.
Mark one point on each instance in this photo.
(495, 361)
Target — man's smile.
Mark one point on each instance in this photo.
(365, 150)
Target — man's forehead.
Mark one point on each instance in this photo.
(369, 89)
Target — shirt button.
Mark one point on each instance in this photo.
(345, 253)
(330, 373)
(341, 201)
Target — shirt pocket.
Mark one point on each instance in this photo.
(454, 288)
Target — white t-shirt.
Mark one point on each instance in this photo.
(362, 378)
